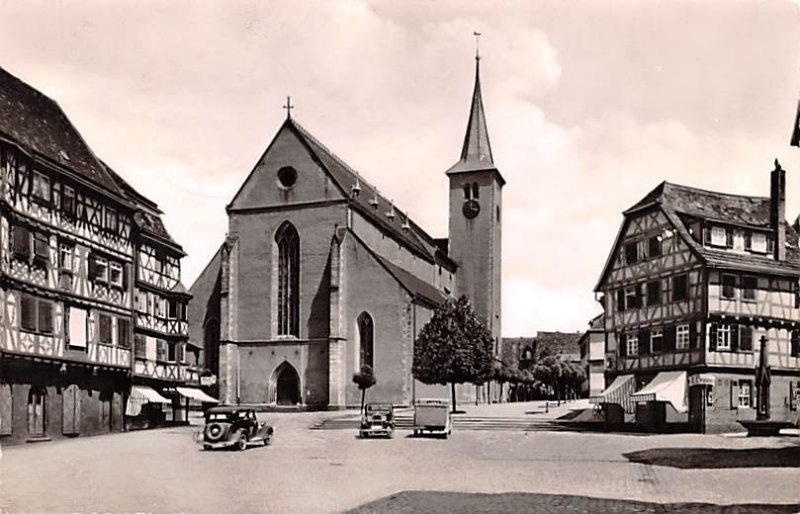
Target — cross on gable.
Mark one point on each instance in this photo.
(288, 106)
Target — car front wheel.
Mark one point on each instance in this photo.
(268, 439)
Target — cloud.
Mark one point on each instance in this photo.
(587, 111)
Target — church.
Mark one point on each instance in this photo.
(321, 274)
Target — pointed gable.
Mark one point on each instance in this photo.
(476, 154)
(288, 149)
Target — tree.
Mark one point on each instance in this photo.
(364, 379)
(501, 374)
(453, 347)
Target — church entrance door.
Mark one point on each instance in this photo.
(288, 385)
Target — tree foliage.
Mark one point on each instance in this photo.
(454, 347)
(364, 379)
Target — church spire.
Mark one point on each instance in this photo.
(476, 154)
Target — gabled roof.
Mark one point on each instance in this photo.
(752, 211)
(38, 125)
(681, 204)
(346, 178)
(147, 216)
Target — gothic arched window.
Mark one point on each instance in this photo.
(288, 280)
(466, 192)
(366, 335)
(475, 193)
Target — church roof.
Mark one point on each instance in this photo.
(38, 125)
(476, 153)
(346, 179)
(414, 285)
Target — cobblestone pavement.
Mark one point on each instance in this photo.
(513, 503)
(333, 471)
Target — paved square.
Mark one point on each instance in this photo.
(332, 470)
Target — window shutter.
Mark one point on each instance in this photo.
(729, 238)
(623, 344)
(693, 339)
(6, 406)
(734, 337)
(92, 267)
(734, 394)
(796, 342)
(620, 300)
(45, 317)
(669, 339)
(644, 342)
(706, 235)
(746, 342)
(712, 336)
(22, 242)
(748, 240)
(126, 271)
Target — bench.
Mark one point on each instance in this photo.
(759, 428)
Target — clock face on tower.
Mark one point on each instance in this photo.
(471, 208)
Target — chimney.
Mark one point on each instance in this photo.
(777, 208)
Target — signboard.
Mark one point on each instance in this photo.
(702, 379)
(208, 381)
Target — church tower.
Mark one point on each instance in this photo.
(475, 217)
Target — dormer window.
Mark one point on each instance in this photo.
(718, 237)
(758, 243)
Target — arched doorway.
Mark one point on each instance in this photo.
(287, 385)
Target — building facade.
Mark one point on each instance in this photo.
(693, 283)
(68, 243)
(321, 274)
(593, 357)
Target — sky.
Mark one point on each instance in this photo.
(589, 105)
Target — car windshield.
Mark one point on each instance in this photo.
(378, 408)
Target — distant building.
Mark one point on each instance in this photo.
(524, 352)
(593, 356)
(693, 282)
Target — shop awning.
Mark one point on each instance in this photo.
(196, 394)
(141, 395)
(668, 386)
(618, 392)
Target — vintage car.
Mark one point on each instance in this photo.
(234, 426)
(432, 416)
(378, 419)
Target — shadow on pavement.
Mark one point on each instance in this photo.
(716, 458)
(433, 502)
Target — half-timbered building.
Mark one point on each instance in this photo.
(68, 252)
(694, 281)
(166, 372)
